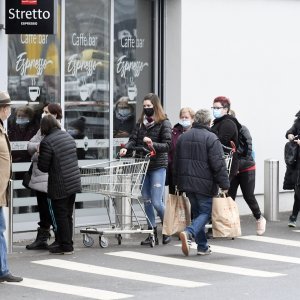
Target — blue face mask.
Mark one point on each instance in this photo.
(185, 123)
(22, 121)
(217, 113)
(124, 111)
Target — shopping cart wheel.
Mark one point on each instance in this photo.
(88, 241)
(152, 241)
(103, 242)
(119, 238)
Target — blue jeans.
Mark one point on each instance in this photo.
(201, 210)
(152, 194)
(3, 250)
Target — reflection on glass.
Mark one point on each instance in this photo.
(87, 75)
(22, 126)
(124, 118)
(133, 67)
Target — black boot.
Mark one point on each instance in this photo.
(148, 240)
(40, 242)
(166, 239)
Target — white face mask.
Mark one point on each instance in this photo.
(43, 115)
(185, 123)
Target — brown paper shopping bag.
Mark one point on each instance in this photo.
(177, 214)
(225, 217)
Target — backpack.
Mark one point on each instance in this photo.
(243, 147)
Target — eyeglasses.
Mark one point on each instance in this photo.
(217, 107)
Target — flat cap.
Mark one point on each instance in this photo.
(4, 98)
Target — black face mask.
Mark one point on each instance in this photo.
(149, 111)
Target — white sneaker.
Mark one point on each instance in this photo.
(261, 226)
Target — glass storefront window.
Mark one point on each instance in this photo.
(33, 80)
(133, 63)
(87, 44)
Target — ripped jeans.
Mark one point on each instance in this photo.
(152, 194)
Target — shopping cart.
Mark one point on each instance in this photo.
(121, 182)
(228, 155)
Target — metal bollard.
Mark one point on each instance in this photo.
(8, 214)
(123, 207)
(271, 189)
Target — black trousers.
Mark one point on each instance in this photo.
(63, 221)
(246, 180)
(43, 207)
(296, 206)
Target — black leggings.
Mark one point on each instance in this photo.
(296, 206)
(43, 207)
(246, 180)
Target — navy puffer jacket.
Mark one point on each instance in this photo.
(199, 164)
(58, 157)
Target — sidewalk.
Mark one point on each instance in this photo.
(286, 201)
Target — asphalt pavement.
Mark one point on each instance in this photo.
(249, 267)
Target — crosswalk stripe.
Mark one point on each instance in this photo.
(271, 240)
(194, 264)
(252, 254)
(70, 289)
(74, 266)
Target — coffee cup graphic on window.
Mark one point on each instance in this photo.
(132, 92)
(34, 92)
(84, 93)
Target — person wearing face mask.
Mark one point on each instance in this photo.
(39, 183)
(153, 130)
(186, 119)
(5, 176)
(23, 129)
(226, 127)
(123, 118)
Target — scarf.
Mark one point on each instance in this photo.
(148, 122)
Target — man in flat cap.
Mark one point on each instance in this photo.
(5, 175)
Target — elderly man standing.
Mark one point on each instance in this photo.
(199, 170)
(5, 174)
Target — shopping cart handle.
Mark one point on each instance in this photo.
(150, 151)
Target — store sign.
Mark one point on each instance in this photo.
(30, 16)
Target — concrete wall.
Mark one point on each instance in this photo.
(247, 50)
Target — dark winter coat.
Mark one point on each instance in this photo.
(199, 164)
(227, 129)
(177, 131)
(160, 134)
(57, 157)
(292, 174)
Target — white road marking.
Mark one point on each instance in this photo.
(79, 291)
(252, 254)
(74, 266)
(271, 240)
(194, 264)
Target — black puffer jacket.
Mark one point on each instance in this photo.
(292, 174)
(199, 164)
(227, 129)
(160, 134)
(58, 158)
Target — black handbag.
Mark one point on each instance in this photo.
(291, 153)
(27, 177)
